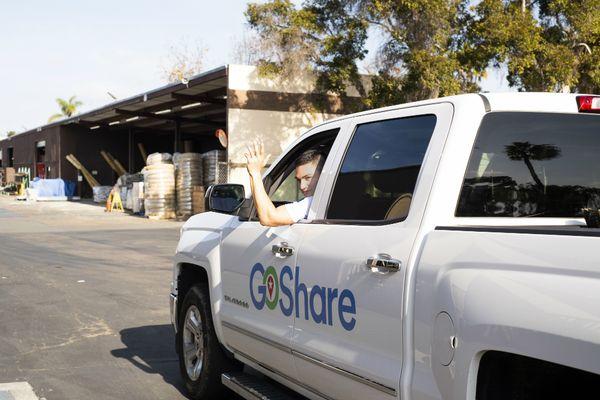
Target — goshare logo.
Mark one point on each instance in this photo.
(270, 279)
(324, 305)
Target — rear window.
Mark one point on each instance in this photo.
(533, 165)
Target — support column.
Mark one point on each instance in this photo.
(177, 143)
(131, 151)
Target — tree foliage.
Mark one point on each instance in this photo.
(183, 61)
(431, 48)
(67, 108)
(547, 45)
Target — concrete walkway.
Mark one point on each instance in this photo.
(17, 391)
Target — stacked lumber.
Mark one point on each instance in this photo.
(143, 151)
(86, 174)
(113, 163)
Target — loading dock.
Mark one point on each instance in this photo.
(181, 117)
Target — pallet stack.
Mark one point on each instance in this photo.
(189, 175)
(159, 187)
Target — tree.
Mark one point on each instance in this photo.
(287, 37)
(419, 56)
(10, 134)
(547, 45)
(431, 48)
(248, 49)
(184, 60)
(67, 108)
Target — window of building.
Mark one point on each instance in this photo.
(380, 169)
(533, 165)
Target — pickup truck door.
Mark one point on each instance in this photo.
(347, 339)
(257, 324)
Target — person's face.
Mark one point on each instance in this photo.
(308, 176)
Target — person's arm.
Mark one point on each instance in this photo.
(268, 214)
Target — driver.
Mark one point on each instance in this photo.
(307, 167)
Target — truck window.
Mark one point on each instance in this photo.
(281, 183)
(533, 165)
(380, 169)
(288, 191)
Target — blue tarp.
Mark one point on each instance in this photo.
(53, 187)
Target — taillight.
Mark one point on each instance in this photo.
(588, 104)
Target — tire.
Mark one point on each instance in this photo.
(202, 360)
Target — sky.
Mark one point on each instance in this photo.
(61, 48)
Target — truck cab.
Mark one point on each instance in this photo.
(365, 298)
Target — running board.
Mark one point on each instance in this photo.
(251, 387)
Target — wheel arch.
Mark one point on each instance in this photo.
(188, 273)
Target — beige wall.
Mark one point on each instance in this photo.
(247, 121)
(245, 77)
(276, 129)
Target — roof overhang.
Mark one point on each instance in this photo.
(196, 105)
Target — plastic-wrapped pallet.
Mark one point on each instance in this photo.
(124, 192)
(131, 178)
(197, 199)
(159, 191)
(214, 165)
(188, 168)
(101, 193)
(158, 158)
(137, 197)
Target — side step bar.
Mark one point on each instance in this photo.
(251, 387)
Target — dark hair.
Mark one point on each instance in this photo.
(309, 156)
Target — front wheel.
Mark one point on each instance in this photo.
(201, 357)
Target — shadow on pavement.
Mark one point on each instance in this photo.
(152, 349)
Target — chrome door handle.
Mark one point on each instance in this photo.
(282, 250)
(383, 263)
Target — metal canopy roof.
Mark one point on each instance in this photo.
(196, 106)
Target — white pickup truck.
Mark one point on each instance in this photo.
(451, 251)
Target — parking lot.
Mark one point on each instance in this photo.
(85, 302)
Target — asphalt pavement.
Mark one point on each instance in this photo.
(84, 296)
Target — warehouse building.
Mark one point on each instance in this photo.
(180, 117)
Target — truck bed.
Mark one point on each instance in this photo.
(526, 290)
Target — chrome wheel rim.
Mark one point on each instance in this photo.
(193, 343)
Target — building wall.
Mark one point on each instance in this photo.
(85, 145)
(24, 150)
(276, 129)
(274, 110)
(247, 77)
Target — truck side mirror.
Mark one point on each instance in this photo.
(225, 198)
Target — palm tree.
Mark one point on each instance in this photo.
(67, 108)
(525, 151)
